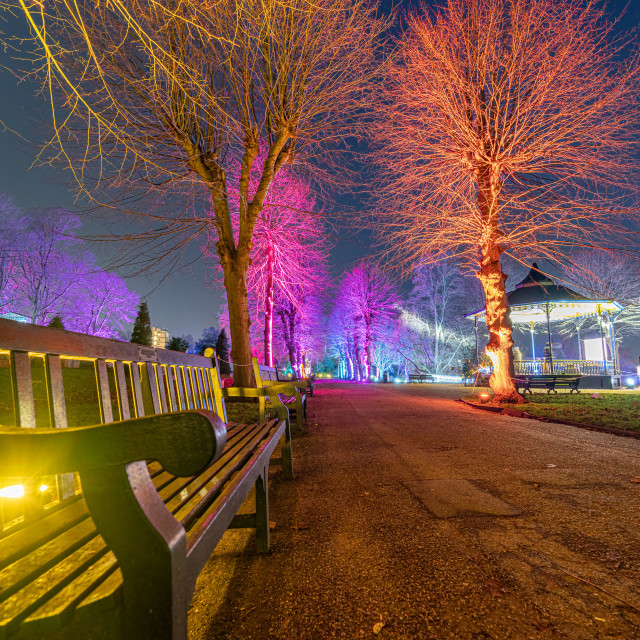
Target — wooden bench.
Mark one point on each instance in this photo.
(420, 377)
(292, 393)
(115, 548)
(548, 382)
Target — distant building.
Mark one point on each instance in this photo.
(15, 316)
(159, 338)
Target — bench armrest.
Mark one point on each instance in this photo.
(184, 443)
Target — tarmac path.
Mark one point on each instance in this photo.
(437, 520)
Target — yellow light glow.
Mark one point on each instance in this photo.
(43, 488)
(82, 358)
(14, 491)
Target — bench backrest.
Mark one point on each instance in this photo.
(55, 378)
(263, 374)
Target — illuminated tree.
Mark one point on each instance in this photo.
(10, 249)
(288, 257)
(367, 302)
(434, 333)
(45, 273)
(100, 304)
(599, 274)
(164, 97)
(508, 128)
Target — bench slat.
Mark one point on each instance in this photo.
(188, 517)
(32, 596)
(23, 540)
(64, 603)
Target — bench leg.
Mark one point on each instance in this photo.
(262, 511)
(285, 449)
(299, 413)
(263, 409)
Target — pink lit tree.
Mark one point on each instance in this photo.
(288, 266)
(508, 128)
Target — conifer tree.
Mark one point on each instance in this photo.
(141, 333)
(178, 344)
(222, 351)
(56, 323)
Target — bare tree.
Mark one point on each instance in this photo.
(162, 98)
(436, 332)
(508, 127)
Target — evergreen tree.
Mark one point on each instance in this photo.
(208, 339)
(178, 344)
(56, 323)
(141, 333)
(223, 352)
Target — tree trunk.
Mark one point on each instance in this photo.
(268, 308)
(235, 282)
(499, 348)
(360, 375)
(367, 349)
(292, 343)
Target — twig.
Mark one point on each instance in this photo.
(595, 586)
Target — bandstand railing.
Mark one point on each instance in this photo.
(581, 367)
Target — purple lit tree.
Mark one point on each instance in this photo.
(43, 274)
(366, 307)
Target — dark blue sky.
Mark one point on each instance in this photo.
(184, 303)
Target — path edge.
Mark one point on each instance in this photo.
(623, 433)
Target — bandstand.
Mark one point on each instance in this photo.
(539, 300)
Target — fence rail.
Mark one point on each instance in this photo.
(580, 367)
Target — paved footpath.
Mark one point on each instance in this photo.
(439, 521)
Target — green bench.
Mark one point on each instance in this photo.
(292, 393)
(137, 502)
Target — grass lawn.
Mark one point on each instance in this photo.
(618, 409)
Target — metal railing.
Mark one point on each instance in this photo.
(578, 367)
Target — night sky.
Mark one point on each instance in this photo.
(185, 303)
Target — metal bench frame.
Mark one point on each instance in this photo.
(292, 393)
(158, 492)
(548, 382)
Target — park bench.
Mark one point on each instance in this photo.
(113, 550)
(292, 393)
(548, 382)
(420, 377)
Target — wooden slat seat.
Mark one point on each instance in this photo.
(120, 558)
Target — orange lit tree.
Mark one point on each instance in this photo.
(163, 98)
(508, 127)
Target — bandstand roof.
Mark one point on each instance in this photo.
(528, 301)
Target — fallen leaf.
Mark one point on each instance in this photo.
(636, 480)
(599, 619)
(377, 627)
(494, 587)
(299, 526)
(272, 525)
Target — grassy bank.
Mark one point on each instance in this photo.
(617, 409)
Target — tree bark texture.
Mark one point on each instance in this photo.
(493, 279)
